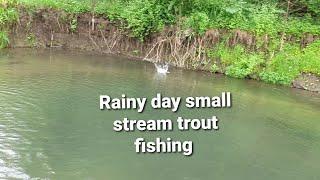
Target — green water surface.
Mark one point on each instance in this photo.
(51, 126)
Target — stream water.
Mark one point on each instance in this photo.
(51, 125)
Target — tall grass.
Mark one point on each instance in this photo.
(8, 15)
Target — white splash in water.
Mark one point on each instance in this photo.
(162, 68)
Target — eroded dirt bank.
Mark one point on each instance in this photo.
(55, 29)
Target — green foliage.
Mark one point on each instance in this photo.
(264, 20)
(8, 3)
(300, 26)
(146, 16)
(229, 55)
(237, 62)
(73, 25)
(286, 65)
(198, 21)
(70, 6)
(31, 39)
(245, 65)
(260, 18)
(7, 15)
(283, 67)
(143, 17)
(301, 7)
(311, 58)
(111, 9)
(4, 39)
(214, 68)
(275, 77)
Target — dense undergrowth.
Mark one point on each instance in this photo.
(280, 28)
(8, 15)
(281, 68)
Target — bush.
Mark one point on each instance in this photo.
(238, 62)
(285, 66)
(264, 19)
(146, 16)
(300, 26)
(311, 59)
(70, 6)
(229, 55)
(7, 15)
(246, 65)
(199, 22)
(275, 78)
(143, 17)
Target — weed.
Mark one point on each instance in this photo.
(4, 39)
(73, 25)
(31, 39)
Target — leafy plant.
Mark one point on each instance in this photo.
(4, 39)
(146, 16)
(214, 68)
(8, 15)
(31, 39)
(245, 65)
(73, 25)
(198, 21)
(275, 77)
(285, 66)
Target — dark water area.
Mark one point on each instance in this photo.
(51, 125)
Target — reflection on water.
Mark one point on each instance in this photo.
(51, 126)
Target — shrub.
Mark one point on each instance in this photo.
(198, 21)
(7, 15)
(229, 55)
(245, 65)
(264, 19)
(275, 77)
(284, 66)
(311, 59)
(146, 16)
(238, 62)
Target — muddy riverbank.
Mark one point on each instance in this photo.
(46, 28)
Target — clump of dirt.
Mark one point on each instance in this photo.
(308, 82)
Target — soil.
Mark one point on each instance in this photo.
(308, 82)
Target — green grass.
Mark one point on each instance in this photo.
(70, 6)
(285, 66)
(8, 15)
(146, 16)
(282, 68)
(4, 39)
